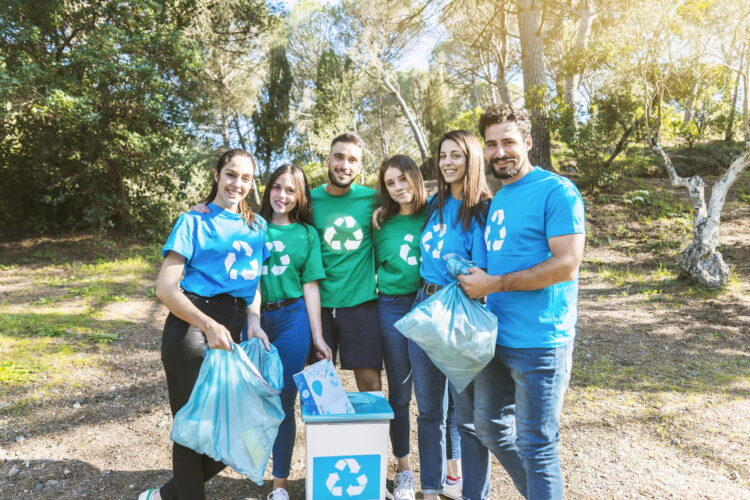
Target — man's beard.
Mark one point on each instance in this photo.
(508, 172)
(337, 183)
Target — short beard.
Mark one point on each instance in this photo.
(507, 173)
(338, 184)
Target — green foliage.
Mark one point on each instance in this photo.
(467, 120)
(594, 138)
(96, 103)
(333, 110)
(271, 118)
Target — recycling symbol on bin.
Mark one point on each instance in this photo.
(277, 247)
(438, 231)
(404, 250)
(333, 483)
(497, 218)
(344, 234)
(231, 259)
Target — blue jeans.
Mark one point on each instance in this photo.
(391, 308)
(288, 329)
(515, 405)
(431, 391)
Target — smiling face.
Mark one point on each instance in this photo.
(344, 162)
(283, 194)
(398, 187)
(233, 183)
(452, 162)
(506, 151)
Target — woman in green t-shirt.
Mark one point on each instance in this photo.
(397, 257)
(290, 297)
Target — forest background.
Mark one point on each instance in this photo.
(112, 113)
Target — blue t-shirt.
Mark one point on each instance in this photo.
(222, 253)
(439, 240)
(523, 216)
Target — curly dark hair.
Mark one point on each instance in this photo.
(501, 113)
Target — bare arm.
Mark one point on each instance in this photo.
(253, 321)
(311, 293)
(169, 292)
(567, 255)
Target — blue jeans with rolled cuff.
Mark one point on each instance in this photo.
(512, 409)
(288, 329)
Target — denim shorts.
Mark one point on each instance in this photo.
(354, 332)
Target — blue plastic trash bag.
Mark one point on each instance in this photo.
(234, 411)
(456, 332)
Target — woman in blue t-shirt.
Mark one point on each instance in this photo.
(220, 254)
(456, 217)
(291, 299)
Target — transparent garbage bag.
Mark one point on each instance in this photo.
(456, 332)
(234, 411)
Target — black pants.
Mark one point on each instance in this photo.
(182, 355)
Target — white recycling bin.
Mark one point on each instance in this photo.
(347, 454)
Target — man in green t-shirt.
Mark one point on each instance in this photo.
(342, 212)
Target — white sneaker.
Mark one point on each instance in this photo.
(278, 494)
(403, 486)
(151, 494)
(453, 490)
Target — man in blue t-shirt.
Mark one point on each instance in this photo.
(535, 237)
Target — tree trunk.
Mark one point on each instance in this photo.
(729, 132)
(501, 53)
(700, 258)
(415, 128)
(586, 14)
(746, 97)
(534, 79)
(687, 118)
(384, 148)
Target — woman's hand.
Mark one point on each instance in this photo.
(255, 331)
(218, 337)
(322, 351)
(201, 208)
(376, 218)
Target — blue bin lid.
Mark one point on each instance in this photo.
(367, 405)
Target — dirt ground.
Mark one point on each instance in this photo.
(658, 405)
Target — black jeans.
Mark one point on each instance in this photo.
(182, 355)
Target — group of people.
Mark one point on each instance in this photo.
(326, 273)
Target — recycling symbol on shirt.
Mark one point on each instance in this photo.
(277, 247)
(498, 216)
(344, 233)
(231, 259)
(334, 479)
(438, 231)
(404, 250)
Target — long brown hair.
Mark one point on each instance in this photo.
(413, 177)
(302, 211)
(475, 190)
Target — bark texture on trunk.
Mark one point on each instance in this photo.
(700, 259)
(534, 79)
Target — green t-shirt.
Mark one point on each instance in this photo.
(295, 260)
(397, 253)
(344, 226)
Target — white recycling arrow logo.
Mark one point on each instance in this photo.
(343, 227)
(277, 247)
(231, 259)
(438, 230)
(353, 489)
(405, 249)
(498, 216)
